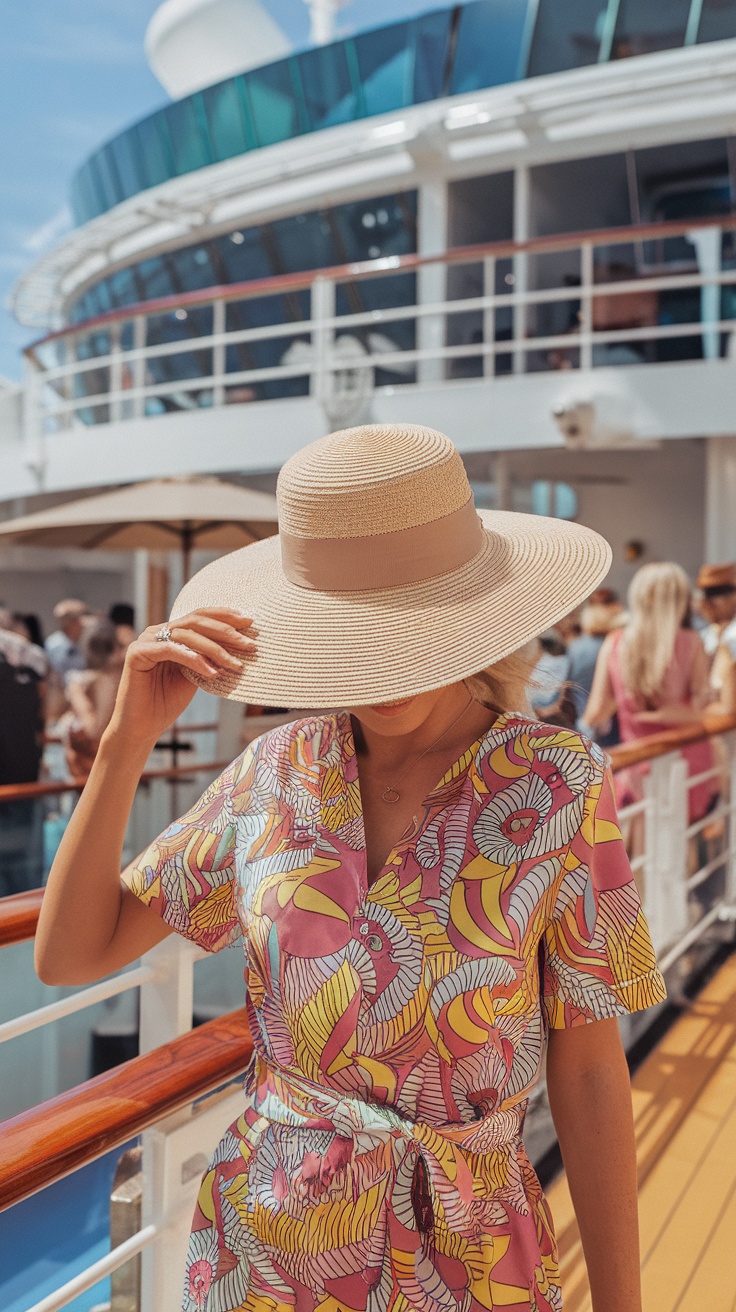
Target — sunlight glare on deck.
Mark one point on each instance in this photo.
(685, 1112)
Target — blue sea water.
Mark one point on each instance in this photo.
(49, 1238)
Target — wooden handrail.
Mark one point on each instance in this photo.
(659, 744)
(47, 1142)
(52, 788)
(19, 916)
(290, 282)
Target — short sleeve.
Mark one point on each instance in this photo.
(597, 954)
(187, 875)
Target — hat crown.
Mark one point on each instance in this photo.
(370, 480)
(717, 576)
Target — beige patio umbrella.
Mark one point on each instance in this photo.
(192, 512)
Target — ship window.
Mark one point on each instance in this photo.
(188, 142)
(646, 25)
(109, 184)
(489, 44)
(272, 102)
(328, 93)
(228, 130)
(386, 66)
(126, 164)
(244, 260)
(155, 149)
(717, 20)
(431, 42)
(557, 499)
(567, 35)
(302, 243)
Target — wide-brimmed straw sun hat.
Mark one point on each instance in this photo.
(384, 580)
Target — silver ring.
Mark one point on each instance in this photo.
(164, 634)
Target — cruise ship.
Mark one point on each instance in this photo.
(511, 220)
(508, 220)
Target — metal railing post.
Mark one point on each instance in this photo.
(729, 742)
(33, 425)
(665, 849)
(116, 372)
(166, 1006)
(219, 352)
(139, 365)
(489, 318)
(586, 305)
(322, 305)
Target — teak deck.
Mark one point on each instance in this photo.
(685, 1112)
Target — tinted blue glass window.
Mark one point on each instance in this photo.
(300, 242)
(155, 278)
(127, 159)
(567, 34)
(386, 65)
(272, 102)
(431, 48)
(189, 145)
(646, 25)
(369, 229)
(107, 178)
(228, 129)
(717, 20)
(241, 256)
(124, 287)
(489, 44)
(192, 268)
(155, 148)
(328, 93)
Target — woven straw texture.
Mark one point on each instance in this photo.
(352, 649)
(358, 483)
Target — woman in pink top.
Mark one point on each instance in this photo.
(654, 674)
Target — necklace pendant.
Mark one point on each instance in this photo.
(390, 795)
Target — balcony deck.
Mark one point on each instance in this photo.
(685, 1112)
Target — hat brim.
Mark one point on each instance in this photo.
(326, 649)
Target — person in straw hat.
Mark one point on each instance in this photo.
(430, 886)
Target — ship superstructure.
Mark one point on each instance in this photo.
(510, 220)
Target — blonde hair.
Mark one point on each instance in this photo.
(659, 600)
(504, 685)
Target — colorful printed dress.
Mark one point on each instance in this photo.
(378, 1164)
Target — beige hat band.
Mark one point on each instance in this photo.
(384, 560)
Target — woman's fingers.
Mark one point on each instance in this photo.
(224, 633)
(215, 633)
(213, 651)
(150, 653)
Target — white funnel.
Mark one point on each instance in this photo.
(194, 43)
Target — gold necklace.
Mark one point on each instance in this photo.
(391, 794)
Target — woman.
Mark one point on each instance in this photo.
(653, 673)
(602, 613)
(91, 694)
(425, 896)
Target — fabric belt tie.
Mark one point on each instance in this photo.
(383, 560)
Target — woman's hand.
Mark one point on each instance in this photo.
(154, 691)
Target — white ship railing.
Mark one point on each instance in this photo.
(544, 304)
(686, 873)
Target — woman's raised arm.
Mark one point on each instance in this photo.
(90, 924)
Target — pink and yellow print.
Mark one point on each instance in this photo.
(378, 1164)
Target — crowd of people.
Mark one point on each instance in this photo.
(619, 673)
(56, 697)
(615, 672)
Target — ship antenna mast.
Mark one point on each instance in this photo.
(323, 19)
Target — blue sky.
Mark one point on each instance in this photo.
(72, 73)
